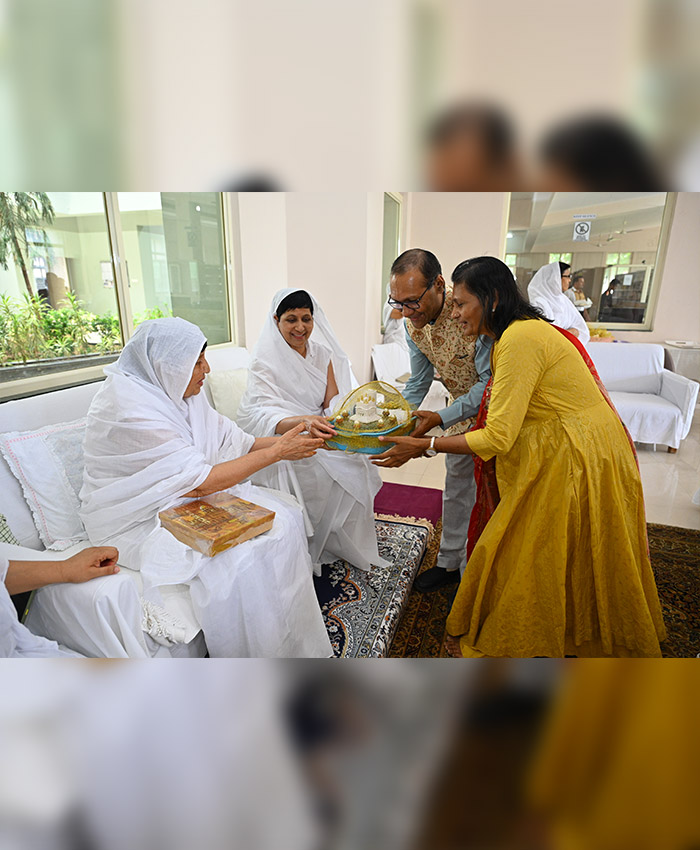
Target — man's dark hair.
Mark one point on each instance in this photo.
(601, 154)
(294, 301)
(486, 278)
(577, 276)
(417, 258)
(486, 121)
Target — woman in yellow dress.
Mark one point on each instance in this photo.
(562, 565)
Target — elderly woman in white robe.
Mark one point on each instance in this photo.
(545, 291)
(295, 379)
(152, 441)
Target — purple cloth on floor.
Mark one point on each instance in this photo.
(407, 500)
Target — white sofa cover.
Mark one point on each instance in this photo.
(392, 362)
(102, 617)
(656, 405)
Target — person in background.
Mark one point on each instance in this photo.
(605, 311)
(578, 297)
(561, 563)
(546, 292)
(16, 641)
(435, 342)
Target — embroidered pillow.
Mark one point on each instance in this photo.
(48, 463)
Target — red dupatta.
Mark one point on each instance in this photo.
(487, 495)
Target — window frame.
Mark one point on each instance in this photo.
(398, 197)
(53, 380)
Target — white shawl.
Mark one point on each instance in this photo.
(544, 291)
(336, 489)
(146, 446)
(282, 383)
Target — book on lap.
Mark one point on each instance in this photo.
(214, 523)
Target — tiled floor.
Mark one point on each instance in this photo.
(669, 480)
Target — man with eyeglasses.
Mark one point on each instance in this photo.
(437, 343)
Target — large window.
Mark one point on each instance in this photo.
(174, 250)
(616, 238)
(84, 268)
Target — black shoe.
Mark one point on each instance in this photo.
(434, 578)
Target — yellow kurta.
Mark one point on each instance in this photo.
(562, 565)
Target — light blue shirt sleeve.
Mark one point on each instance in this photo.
(422, 375)
(467, 405)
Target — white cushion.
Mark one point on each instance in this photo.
(48, 463)
(227, 388)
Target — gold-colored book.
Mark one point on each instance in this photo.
(214, 523)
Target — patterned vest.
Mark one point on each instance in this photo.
(451, 351)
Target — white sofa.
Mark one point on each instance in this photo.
(104, 616)
(656, 405)
(392, 362)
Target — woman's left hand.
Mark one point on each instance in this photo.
(405, 449)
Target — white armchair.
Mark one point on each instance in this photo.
(392, 362)
(656, 405)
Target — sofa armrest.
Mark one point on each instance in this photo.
(682, 392)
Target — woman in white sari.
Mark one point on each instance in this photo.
(296, 380)
(152, 440)
(546, 291)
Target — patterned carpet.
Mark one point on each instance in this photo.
(362, 609)
(675, 559)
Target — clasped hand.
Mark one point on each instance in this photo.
(295, 445)
(407, 448)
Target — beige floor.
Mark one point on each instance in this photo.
(669, 480)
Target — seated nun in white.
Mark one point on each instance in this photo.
(294, 379)
(152, 441)
(545, 291)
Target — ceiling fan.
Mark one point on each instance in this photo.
(614, 235)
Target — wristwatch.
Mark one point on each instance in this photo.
(432, 451)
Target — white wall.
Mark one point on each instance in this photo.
(457, 225)
(263, 247)
(678, 308)
(328, 243)
(331, 242)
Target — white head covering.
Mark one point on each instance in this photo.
(162, 354)
(544, 291)
(145, 446)
(281, 382)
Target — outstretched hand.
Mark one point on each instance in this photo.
(295, 446)
(90, 563)
(405, 449)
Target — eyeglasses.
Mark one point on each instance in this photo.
(409, 305)
(566, 275)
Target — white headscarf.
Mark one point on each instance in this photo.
(544, 291)
(145, 446)
(281, 382)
